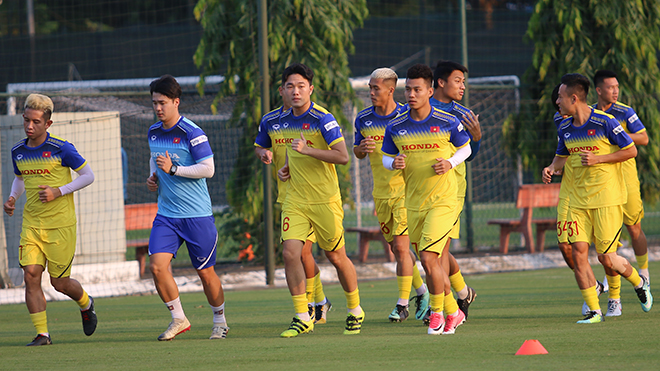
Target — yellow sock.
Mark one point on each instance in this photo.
(40, 322)
(309, 290)
(352, 299)
(634, 278)
(642, 261)
(83, 302)
(590, 296)
(437, 302)
(404, 283)
(299, 303)
(615, 286)
(451, 306)
(319, 295)
(417, 280)
(457, 281)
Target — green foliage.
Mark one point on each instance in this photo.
(317, 33)
(585, 36)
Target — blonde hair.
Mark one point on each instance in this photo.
(40, 102)
(387, 74)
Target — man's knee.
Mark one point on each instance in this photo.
(634, 230)
(613, 261)
(60, 284)
(291, 253)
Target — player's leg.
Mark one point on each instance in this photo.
(580, 232)
(422, 297)
(400, 246)
(607, 242)
(562, 232)
(465, 294)
(633, 213)
(201, 238)
(36, 303)
(455, 316)
(164, 242)
(59, 248)
(327, 221)
(436, 285)
(311, 269)
(322, 304)
(295, 229)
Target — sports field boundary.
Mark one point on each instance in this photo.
(256, 279)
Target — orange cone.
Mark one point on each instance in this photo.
(531, 347)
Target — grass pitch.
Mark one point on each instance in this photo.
(510, 308)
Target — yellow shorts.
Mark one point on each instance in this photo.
(602, 226)
(311, 236)
(55, 246)
(633, 210)
(430, 229)
(455, 233)
(562, 220)
(392, 217)
(326, 220)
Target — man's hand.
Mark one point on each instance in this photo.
(367, 145)
(9, 206)
(588, 158)
(547, 174)
(48, 193)
(300, 145)
(152, 182)
(164, 162)
(283, 173)
(266, 157)
(471, 123)
(442, 166)
(399, 162)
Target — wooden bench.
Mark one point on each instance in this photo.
(366, 234)
(529, 197)
(139, 217)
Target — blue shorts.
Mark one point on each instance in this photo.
(200, 235)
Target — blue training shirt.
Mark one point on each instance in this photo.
(458, 110)
(186, 144)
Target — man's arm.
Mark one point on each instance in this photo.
(337, 154)
(202, 169)
(367, 145)
(264, 154)
(590, 159)
(553, 169)
(17, 189)
(640, 138)
(86, 177)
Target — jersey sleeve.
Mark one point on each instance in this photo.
(199, 146)
(562, 151)
(71, 158)
(263, 138)
(474, 145)
(459, 136)
(16, 171)
(389, 148)
(358, 133)
(557, 119)
(616, 135)
(331, 130)
(633, 122)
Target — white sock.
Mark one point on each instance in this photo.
(176, 309)
(303, 316)
(219, 314)
(325, 300)
(403, 302)
(463, 293)
(645, 273)
(357, 311)
(421, 290)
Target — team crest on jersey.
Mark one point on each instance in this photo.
(403, 132)
(305, 126)
(435, 129)
(566, 135)
(368, 123)
(591, 132)
(45, 154)
(286, 125)
(276, 127)
(176, 140)
(19, 156)
(153, 137)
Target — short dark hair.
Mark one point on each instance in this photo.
(166, 85)
(554, 96)
(578, 83)
(444, 69)
(421, 71)
(601, 75)
(298, 69)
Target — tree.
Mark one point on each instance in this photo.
(318, 33)
(585, 36)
